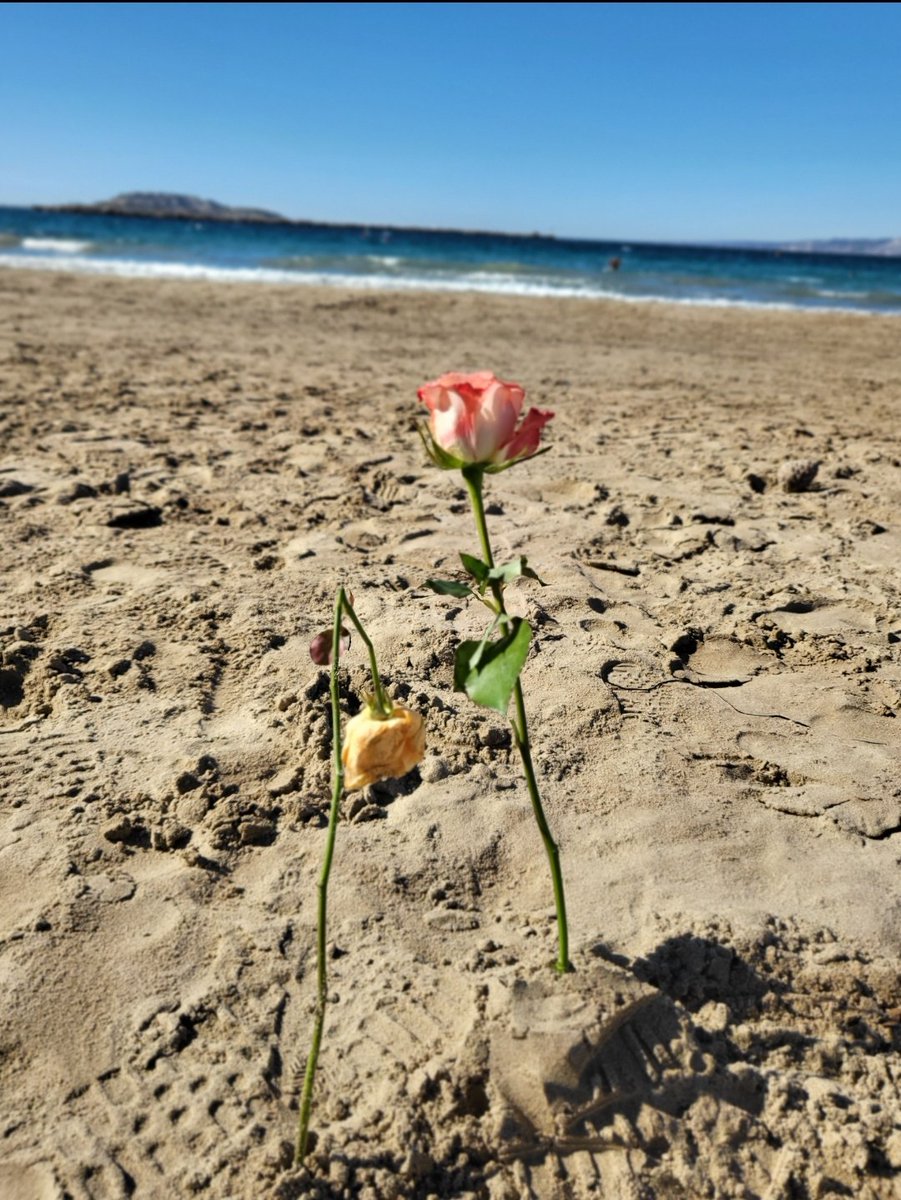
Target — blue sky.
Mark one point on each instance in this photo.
(672, 122)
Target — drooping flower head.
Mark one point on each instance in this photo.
(377, 747)
(473, 419)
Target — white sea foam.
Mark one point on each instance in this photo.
(475, 281)
(387, 260)
(840, 295)
(55, 245)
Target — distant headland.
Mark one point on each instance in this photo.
(887, 247)
(169, 204)
(177, 207)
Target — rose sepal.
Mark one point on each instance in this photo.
(376, 709)
(440, 457)
(497, 467)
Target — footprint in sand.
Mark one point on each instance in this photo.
(635, 682)
(846, 763)
(581, 1057)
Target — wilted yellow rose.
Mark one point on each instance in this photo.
(381, 748)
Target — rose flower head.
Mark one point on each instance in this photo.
(378, 747)
(473, 419)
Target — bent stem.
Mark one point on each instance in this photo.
(384, 704)
(473, 476)
(342, 605)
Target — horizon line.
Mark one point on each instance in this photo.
(95, 208)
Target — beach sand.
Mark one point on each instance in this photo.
(187, 474)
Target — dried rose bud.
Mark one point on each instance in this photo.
(321, 647)
(381, 747)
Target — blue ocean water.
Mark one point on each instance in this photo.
(435, 260)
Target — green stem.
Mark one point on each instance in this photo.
(381, 697)
(306, 1103)
(521, 736)
(474, 476)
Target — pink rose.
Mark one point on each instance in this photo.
(474, 417)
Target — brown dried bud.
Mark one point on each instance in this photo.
(321, 647)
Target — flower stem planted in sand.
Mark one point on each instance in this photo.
(474, 427)
(474, 478)
(384, 741)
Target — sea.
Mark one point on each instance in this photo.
(391, 259)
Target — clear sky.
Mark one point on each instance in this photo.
(672, 122)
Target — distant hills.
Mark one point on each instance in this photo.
(878, 247)
(169, 204)
(191, 208)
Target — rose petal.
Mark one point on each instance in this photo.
(528, 437)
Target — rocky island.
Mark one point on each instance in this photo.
(169, 205)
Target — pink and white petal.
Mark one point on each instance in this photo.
(495, 423)
(451, 425)
(431, 393)
(528, 437)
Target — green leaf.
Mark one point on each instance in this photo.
(449, 587)
(487, 671)
(512, 570)
(475, 567)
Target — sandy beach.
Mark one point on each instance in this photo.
(188, 472)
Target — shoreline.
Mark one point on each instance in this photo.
(274, 277)
(187, 474)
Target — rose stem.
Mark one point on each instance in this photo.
(381, 698)
(342, 606)
(322, 988)
(473, 475)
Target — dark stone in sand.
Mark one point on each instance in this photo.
(79, 491)
(14, 487)
(144, 516)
